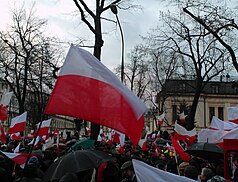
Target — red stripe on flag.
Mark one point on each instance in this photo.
(19, 127)
(3, 112)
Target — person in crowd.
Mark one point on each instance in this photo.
(69, 177)
(191, 172)
(217, 178)
(112, 172)
(160, 164)
(234, 167)
(32, 171)
(128, 172)
(182, 166)
(171, 166)
(206, 174)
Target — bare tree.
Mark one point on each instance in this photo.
(136, 74)
(25, 63)
(199, 49)
(216, 17)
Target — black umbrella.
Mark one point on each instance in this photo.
(208, 151)
(74, 162)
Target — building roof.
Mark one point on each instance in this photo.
(188, 86)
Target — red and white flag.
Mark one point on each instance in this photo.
(179, 149)
(64, 137)
(218, 124)
(216, 136)
(119, 138)
(56, 132)
(6, 97)
(38, 138)
(160, 119)
(2, 134)
(181, 133)
(232, 114)
(145, 172)
(48, 143)
(18, 158)
(16, 136)
(18, 124)
(182, 118)
(87, 89)
(44, 128)
(17, 149)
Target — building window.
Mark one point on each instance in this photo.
(214, 89)
(211, 113)
(174, 112)
(182, 87)
(221, 113)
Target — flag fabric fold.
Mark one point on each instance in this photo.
(87, 89)
(48, 144)
(16, 136)
(18, 158)
(2, 134)
(218, 124)
(38, 138)
(232, 114)
(64, 137)
(181, 133)
(216, 136)
(44, 128)
(5, 100)
(17, 149)
(160, 119)
(18, 124)
(179, 149)
(145, 172)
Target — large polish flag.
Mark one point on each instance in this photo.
(18, 158)
(218, 124)
(5, 100)
(145, 172)
(88, 90)
(44, 128)
(18, 124)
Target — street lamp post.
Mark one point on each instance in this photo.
(115, 12)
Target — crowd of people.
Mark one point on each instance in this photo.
(155, 151)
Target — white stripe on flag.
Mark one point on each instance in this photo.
(183, 131)
(6, 97)
(147, 173)
(222, 125)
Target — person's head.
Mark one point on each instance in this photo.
(33, 161)
(182, 166)
(162, 156)
(217, 179)
(191, 172)
(160, 164)
(206, 174)
(235, 159)
(171, 166)
(127, 169)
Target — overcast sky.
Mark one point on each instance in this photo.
(64, 25)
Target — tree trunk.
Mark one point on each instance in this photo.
(192, 113)
(95, 128)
